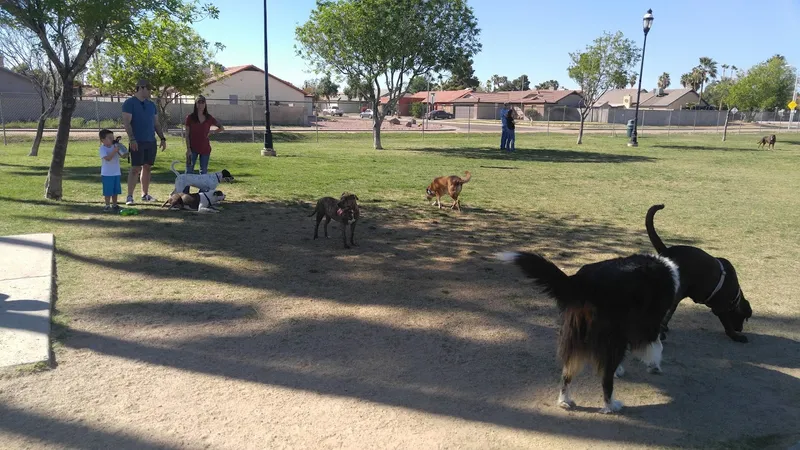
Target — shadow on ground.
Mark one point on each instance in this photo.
(415, 261)
(538, 155)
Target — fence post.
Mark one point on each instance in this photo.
(564, 115)
(2, 119)
(548, 120)
(761, 122)
(469, 120)
(669, 124)
(96, 114)
(644, 111)
(694, 127)
(740, 124)
(252, 123)
(316, 123)
(613, 123)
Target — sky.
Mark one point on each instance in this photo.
(535, 37)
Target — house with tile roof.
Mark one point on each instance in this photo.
(486, 105)
(437, 100)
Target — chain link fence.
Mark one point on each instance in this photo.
(245, 118)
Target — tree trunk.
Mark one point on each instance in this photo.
(725, 128)
(52, 185)
(376, 132)
(37, 140)
(580, 131)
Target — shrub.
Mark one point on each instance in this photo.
(418, 109)
(533, 114)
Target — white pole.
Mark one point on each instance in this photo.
(794, 98)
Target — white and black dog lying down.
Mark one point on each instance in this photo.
(705, 279)
(204, 182)
(606, 308)
(202, 202)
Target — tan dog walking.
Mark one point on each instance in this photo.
(450, 185)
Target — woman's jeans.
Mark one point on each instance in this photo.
(203, 166)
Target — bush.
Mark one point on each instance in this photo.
(418, 109)
(77, 122)
(533, 114)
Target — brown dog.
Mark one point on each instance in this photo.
(447, 185)
(343, 211)
(768, 141)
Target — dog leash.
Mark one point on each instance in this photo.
(210, 205)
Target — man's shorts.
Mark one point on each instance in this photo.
(111, 185)
(146, 155)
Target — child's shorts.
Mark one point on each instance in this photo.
(111, 185)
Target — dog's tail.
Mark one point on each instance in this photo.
(172, 167)
(651, 230)
(467, 177)
(555, 282)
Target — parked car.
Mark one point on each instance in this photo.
(438, 114)
(366, 114)
(332, 111)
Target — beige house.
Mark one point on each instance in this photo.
(486, 105)
(232, 94)
(666, 99)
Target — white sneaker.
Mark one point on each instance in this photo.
(129, 200)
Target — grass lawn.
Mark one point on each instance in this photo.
(418, 316)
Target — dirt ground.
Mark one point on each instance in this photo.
(256, 336)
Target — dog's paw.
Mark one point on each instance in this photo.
(655, 370)
(739, 338)
(614, 406)
(566, 404)
(620, 372)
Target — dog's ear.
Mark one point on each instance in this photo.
(355, 196)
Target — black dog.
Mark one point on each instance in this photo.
(705, 279)
(767, 141)
(607, 307)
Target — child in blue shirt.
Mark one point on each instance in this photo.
(110, 171)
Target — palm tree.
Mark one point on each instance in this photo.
(691, 80)
(725, 67)
(664, 81)
(633, 80)
(707, 71)
(733, 70)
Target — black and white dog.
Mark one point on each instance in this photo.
(606, 308)
(203, 182)
(202, 202)
(705, 279)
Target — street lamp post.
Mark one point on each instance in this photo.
(267, 150)
(647, 22)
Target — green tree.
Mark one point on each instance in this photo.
(375, 41)
(417, 109)
(419, 83)
(168, 53)
(717, 92)
(70, 32)
(356, 88)
(521, 83)
(310, 88)
(327, 88)
(633, 79)
(548, 85)
(462, 75)
(24, 54)
(691, 80)
(664, 81)
(765, 86)
(706, 71)
(602, 65)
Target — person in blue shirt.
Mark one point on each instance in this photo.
(504, 122)
(140, 119)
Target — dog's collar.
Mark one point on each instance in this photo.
(736, 300)
(219, 177)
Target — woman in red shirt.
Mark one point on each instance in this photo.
(198, 128)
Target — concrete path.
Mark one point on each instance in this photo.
(26, 282)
